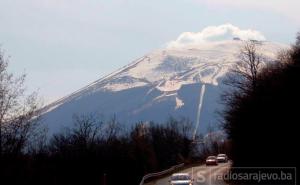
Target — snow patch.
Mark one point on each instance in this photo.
(122, 86)
(170, 85)
(179, 103)
(202, 92)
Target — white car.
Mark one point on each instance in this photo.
(181, 179)
(222, 158)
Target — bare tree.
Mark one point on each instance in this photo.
(245, 72)
(87, 129)
(284, 57)
(182, 125)
(112, 129)
(18, 111)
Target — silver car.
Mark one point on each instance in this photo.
(181, 179)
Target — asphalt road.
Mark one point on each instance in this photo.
(202, 175)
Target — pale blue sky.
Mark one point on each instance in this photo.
(65, 44)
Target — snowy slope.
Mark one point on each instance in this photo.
(163, 83)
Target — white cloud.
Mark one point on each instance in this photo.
(216, 33)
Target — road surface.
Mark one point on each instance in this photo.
(202, 175)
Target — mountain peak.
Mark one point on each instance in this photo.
(163, 83)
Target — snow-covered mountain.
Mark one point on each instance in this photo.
(169, 82)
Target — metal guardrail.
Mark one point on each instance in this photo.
(150, 175)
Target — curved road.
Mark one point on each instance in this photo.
(202, 175)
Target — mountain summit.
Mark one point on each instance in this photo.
(178, 82)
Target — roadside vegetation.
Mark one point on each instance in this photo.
(262, 109)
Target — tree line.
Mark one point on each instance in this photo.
(262, 108)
